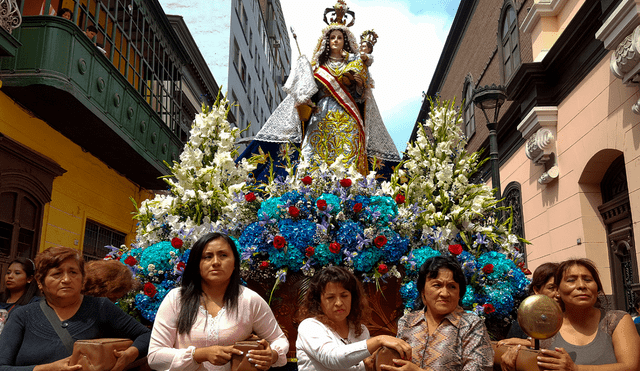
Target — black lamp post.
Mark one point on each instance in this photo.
(489, 98)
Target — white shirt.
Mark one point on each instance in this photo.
(320, 348)
(169, 350)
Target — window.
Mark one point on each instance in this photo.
(26, 182)
(250, 40)
(509, 42)
(513, 198)
(469, 108)
(96, 237)
(249, 87)
(243, 71)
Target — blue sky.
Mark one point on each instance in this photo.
(411, 37)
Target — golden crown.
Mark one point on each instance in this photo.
(369, 36)
(339, 14)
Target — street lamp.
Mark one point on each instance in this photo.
(489, 98)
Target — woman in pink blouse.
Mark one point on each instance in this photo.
(443, 336)
(198, 323)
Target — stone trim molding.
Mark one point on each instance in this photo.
(10, 17)
(621, 23)
(539, 129)
(621, 34)
(540, 9)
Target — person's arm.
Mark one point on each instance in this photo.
(162, 354)
(315, 339)
(11, 340)
(122, 325)
(626, 345)
(477, 353)
(266, 327)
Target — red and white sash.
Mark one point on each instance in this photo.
(339, 93)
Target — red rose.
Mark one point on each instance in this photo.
(310, 251)
(399, 198)
(322, 204)
(346, 182)
(307, 180)
(357, 208)
(382, 268)
(250, 197)
(150, 289)
(180, 266)
(380, 241)
(176, 243)
(455, 249)
(264, 265)
(334, 247)
(488, 308)
(278, 242)
(488, 269)
(294, 211)
(130, 261)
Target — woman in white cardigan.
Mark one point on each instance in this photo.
(198, 323)
(333, 336)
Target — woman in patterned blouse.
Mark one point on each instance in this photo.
(442, 335)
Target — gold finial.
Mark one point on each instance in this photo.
(339, 14)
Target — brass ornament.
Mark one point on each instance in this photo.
(540, 316)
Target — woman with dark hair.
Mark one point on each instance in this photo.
(331, 96)
(21, 287)
(198, 323)
(442, 335)
(332, 335)
(39, 336)
(542, 283)
(590, 338)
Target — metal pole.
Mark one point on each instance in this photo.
(493, 155)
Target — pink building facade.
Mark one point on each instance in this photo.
(569, 133)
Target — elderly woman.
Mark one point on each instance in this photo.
(29, 339)
(442, 335)
(591, 338)
(333, 336)
(198, 323)
(20, 285)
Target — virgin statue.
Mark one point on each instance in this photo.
(329, 110)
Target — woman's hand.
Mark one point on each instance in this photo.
(509, 358)
(215, 354)
(399, 345)
(125, 358)
(263, 359)
(401, 365)
(557, 359)
(61, 365)
(516, 341)
(359, 80)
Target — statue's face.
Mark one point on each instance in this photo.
(365, 47)
(336, 41)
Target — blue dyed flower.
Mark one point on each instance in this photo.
(348, 233)
(159, 255)
(417, 257)
(298, 233)
(365, 260)
(333, 203)
(270, 208)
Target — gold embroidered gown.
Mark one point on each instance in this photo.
(337, 125)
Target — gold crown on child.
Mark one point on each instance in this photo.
(339, 14)
(369, 36)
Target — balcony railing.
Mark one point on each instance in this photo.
(60, 75)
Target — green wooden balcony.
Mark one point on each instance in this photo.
(60, 75)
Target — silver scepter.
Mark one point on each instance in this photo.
(295, 37)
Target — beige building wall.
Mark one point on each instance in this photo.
(595, 125)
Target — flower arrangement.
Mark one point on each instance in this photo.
(322, 214)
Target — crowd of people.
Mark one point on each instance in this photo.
(199, 322)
